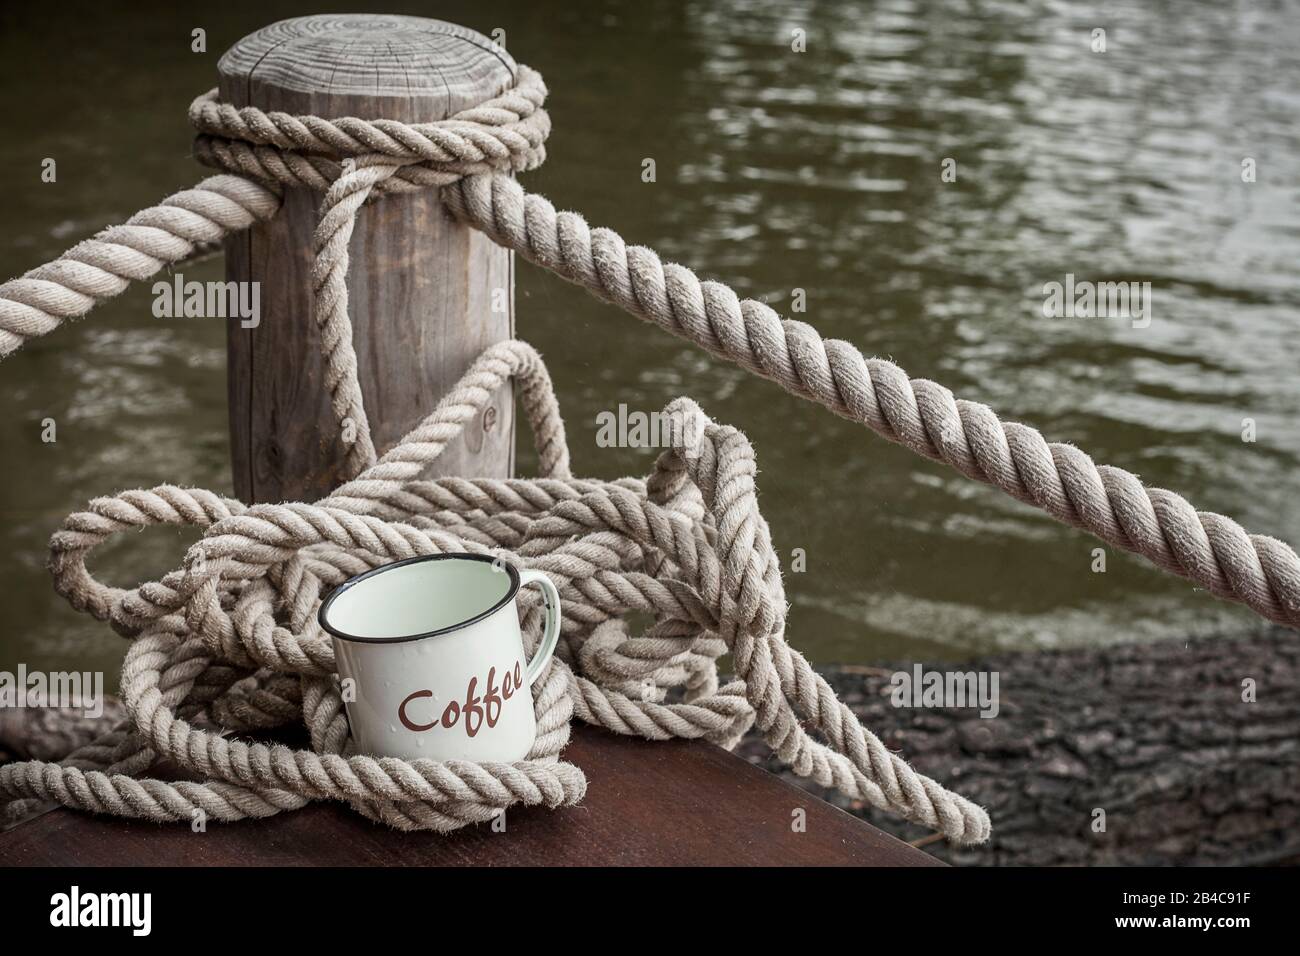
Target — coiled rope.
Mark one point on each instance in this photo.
(230, 642)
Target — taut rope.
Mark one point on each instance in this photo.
(230, 642)
(471, 154)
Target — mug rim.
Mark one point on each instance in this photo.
(351, 582)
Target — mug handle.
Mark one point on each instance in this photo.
(551, 633)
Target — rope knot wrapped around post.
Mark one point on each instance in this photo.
(351, 160)
(507, 134)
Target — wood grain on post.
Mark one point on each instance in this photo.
(420, 285)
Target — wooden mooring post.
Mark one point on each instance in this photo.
(421, 292)
(426, 293)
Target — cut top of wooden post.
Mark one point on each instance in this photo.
(426, 294)
(390, 66)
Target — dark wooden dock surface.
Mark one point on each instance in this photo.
(675, 803)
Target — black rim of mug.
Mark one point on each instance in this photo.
(350, 583)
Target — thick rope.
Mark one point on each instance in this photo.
(1209, 549)
(506, 132)
(230, 641)
(101, 268)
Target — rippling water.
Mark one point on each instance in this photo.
(776, 171)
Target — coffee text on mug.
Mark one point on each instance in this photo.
(475, 710)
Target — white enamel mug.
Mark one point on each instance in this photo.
(432, 658)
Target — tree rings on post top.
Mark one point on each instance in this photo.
(370, 62)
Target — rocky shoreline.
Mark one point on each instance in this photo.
(1158, 736)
